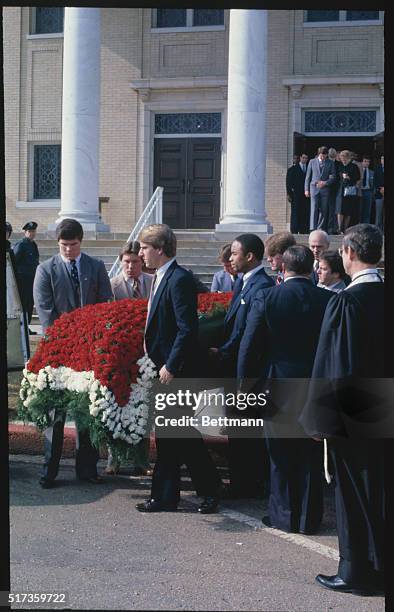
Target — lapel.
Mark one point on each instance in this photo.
(160, 290)
(251, 282)
(62, 282)
(235, 302)
(119, 285)
(85, 276)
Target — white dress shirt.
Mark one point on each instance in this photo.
(77, 262)
(160, 272)
(247, 276)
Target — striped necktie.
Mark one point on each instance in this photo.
(75, 279)
(137, 289)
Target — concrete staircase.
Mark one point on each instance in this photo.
(197, 250)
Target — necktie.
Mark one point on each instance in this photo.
(152, 287)
(233, 281)
(316, 265)
(279, 278)
(75, 279)
(137, 289)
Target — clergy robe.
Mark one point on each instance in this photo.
(350, 349)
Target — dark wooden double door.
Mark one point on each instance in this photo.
(189, 171)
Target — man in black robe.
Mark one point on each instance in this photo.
(341, 407)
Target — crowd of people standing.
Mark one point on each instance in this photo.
(312, 318)
(333, 191)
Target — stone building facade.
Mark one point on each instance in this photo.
(164, 99)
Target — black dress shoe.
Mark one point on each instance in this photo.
(47, 483)
(336, 583)
(93, 479)
(151, 505)
(266, 521)
(209, 505)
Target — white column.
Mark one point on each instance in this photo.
(81, 118)
(246, 123)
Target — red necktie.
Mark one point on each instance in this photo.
(152, 287)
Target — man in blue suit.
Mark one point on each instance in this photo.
(320, 175)
(247, 455)
(171, 342)
(283, 327)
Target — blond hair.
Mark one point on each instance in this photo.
(160, 236)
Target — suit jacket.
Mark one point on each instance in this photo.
(281, 337)
(119, 288)
(171, 334)
(54, 292)
(370, 182)
(313, 174)
(222, 281)
(26, 257)
(239, 308)
(378, 181)
(295, 182)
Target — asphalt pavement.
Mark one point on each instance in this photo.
(90, 542)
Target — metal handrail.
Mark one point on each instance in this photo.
(152, 213)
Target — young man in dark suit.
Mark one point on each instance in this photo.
(66, 281)
(171, 342)
(283, 328)
(247, 453)
(300, 204)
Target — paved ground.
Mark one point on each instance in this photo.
(91, 542)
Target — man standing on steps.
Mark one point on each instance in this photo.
(171, 342)
(66, 281)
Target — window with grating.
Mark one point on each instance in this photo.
(340, 121)
(47, 172)
(188, 123)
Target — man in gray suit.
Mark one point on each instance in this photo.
(131, 282)
(62, 283)
(320, 175)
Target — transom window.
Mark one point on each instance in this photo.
(187, 18)
(47, 171)
(340, 16)
(47, 20)
(188, 123)
(340, 121)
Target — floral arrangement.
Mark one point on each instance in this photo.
(91, 364)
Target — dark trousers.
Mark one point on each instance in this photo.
(25, 284)
(366, 206)
(86, 456)
(248, 463)
(296, 485)
(299, 214)
(172, 453)
(360, 508)
(322, 201)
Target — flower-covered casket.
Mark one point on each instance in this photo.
(91, 364)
